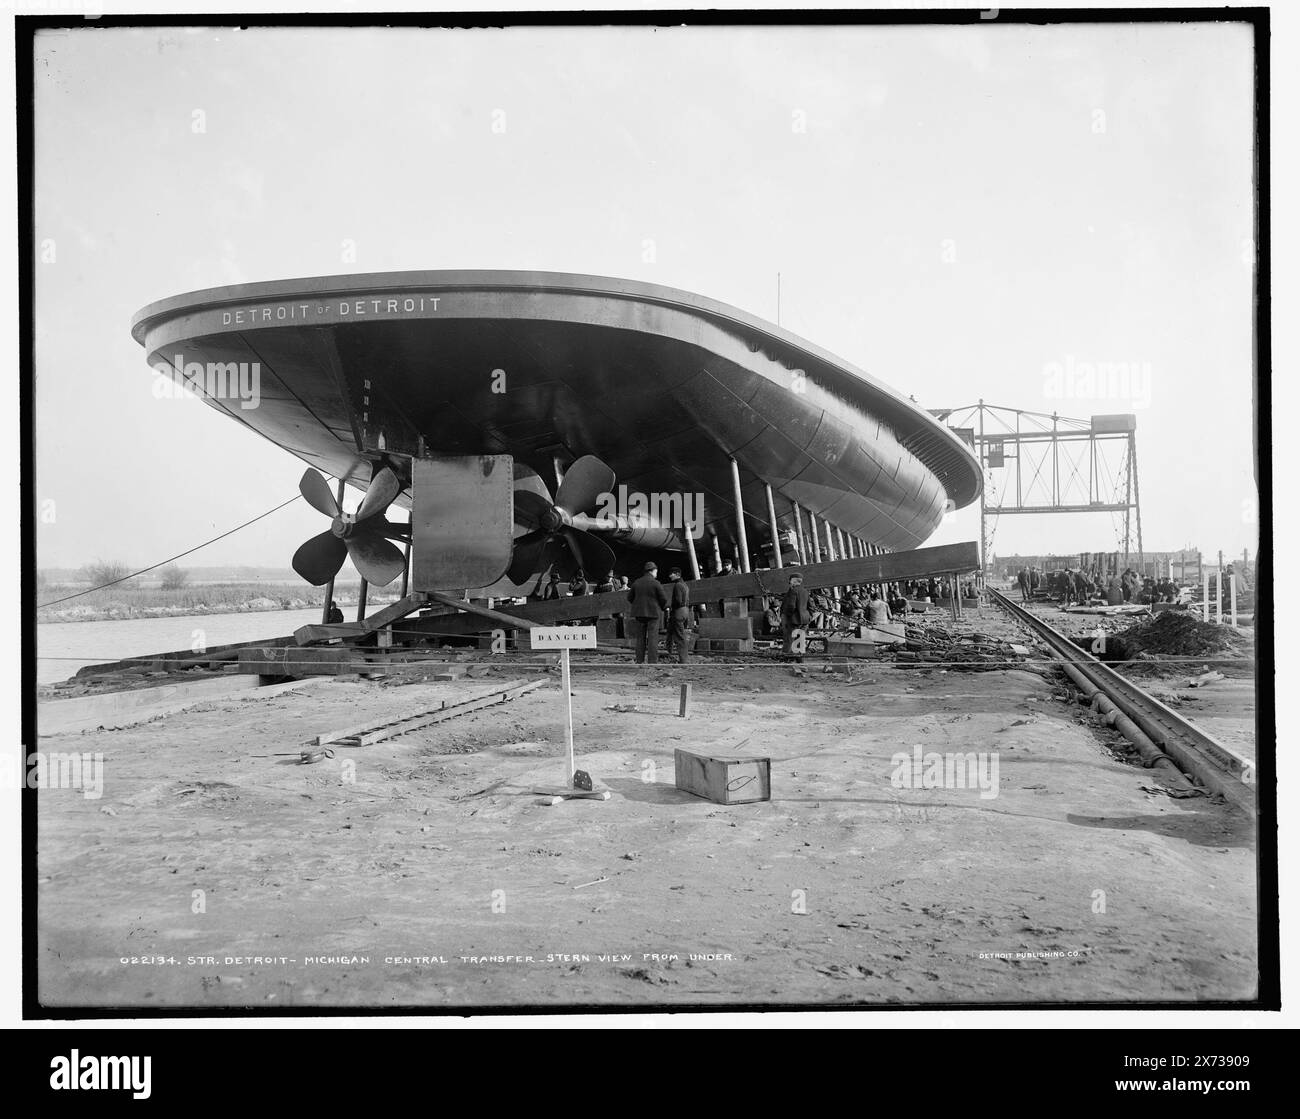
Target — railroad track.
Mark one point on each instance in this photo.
(1200, 755)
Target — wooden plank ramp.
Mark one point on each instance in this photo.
(394, 726)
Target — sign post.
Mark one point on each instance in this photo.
(562, 639)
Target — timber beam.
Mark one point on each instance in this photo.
(887, 567)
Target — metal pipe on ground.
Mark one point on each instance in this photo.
(1151, 754)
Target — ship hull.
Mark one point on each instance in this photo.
(666, 387)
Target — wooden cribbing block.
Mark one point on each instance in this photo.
(734, 629)
(684, 707)
(723, 780)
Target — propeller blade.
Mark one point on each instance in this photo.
(583, 484)
(384, 486)
(319, 560)
(316, 490)
(526, 479)
(530, 507)
(526, 559)
(378, 561)
(592, 553)
(382, 526)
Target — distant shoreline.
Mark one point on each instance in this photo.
(137, 603)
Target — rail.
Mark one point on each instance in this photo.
(1216, 766)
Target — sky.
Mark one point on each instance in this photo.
(961, 211)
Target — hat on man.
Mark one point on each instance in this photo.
(651, 565)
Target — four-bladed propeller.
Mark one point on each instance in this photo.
(364, 535)
(558, 527)
(555, 525)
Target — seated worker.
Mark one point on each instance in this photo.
(878, 610)
(897, 603)
(823, 610)
(335, 614)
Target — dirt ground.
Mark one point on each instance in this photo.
(423, 872)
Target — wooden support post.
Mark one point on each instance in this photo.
(1218, 596)
(329, 587)
(568, 710)
(717, 553)
(1205, 594)
(831, 557)
(952, 596)
(742, 539)
(684, 705)
(361, 602)
(816, 539)
(1232, 591)
(690, 551)
(798, 532)
(773, 528)
(406, 570)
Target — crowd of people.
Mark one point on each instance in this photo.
(655, 607)
(1085, 585)
(652, 606)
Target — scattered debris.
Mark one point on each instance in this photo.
(1178, 634)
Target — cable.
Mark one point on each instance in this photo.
(163, 563)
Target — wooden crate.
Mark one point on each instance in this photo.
(723, 780)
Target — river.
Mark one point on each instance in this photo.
(64, 647)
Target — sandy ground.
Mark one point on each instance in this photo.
(422, 872)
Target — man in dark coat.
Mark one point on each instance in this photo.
(679, 616)
(795, 615)
(649, 601)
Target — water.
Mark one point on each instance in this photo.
(64, 647)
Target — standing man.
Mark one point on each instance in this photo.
(795, 615)
(1023, 580)
(649, 601)
(679, 615)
